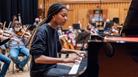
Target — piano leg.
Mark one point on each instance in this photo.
(109, 49)
(93, 64)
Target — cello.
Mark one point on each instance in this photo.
(65, 42)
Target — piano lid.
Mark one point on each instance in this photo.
(131, 22)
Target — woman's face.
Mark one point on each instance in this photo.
(61, 17)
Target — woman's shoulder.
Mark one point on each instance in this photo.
(42, 29)
(43, 26)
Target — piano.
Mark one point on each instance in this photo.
(130, 39)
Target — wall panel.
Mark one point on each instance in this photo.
(79, 10)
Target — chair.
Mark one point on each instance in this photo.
(20, 57)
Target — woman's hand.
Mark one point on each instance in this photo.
(80, 53)
(72, 59)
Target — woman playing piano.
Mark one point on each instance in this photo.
(45, 46)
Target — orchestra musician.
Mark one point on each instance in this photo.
(17, 46)
(45, 46)
(4, 58)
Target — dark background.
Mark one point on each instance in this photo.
(131, 23)
(27, 9)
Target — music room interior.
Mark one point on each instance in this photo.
(105, 30)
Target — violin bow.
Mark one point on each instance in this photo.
(9, 25)
(19, 17)
(4, 26)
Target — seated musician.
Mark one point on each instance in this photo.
(91, 29)
(37, 21)
(6, 64)
(4, 58)
(60, 31)
(115, 29)
(17, 47)
(45, 46)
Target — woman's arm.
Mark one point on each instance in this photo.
(51, 60)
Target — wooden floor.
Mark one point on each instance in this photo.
(120, 65)
(16, 73)
(25, 73)
(19, 74)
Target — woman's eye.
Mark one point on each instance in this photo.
(63, 15)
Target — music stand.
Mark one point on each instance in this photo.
(76, 26)
(82, 38)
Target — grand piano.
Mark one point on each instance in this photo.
(130, 40)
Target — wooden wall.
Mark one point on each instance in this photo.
(79, 10)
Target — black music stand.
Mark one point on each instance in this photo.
(76, 26)
(82, 38)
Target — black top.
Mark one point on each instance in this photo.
(45, 42)
(4, 41)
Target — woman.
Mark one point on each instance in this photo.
(45, 46)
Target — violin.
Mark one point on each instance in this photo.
(22, 33)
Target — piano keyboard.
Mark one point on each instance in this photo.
(78, 66)
(75, 67)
